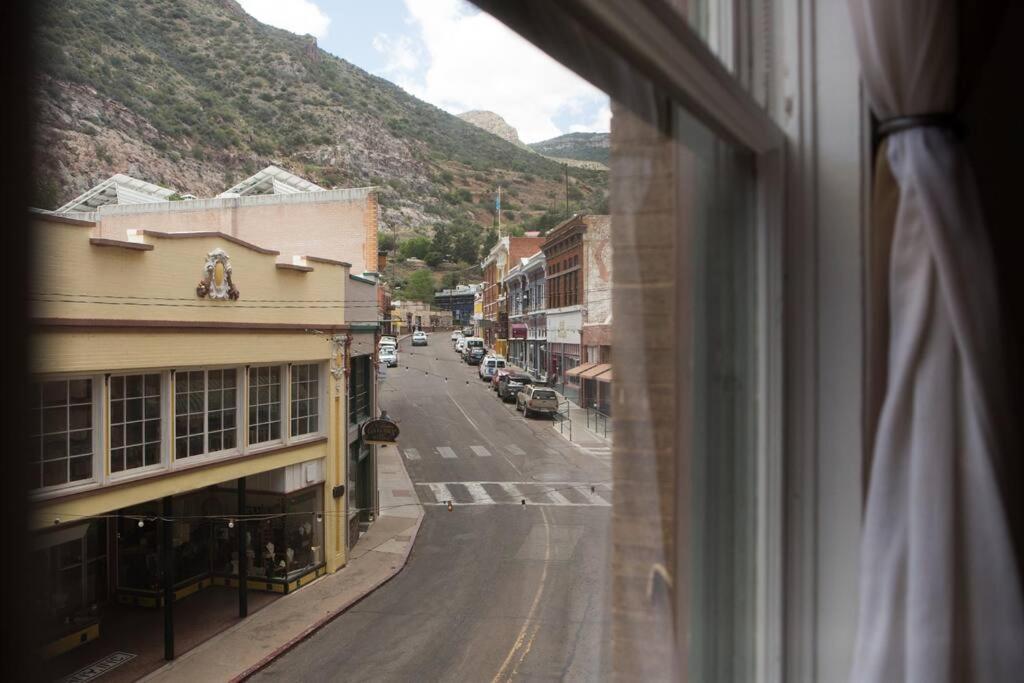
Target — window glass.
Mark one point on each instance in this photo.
(305, 399)
(359, 389)
(205, 412)
(61, 439)
(264, 404)
(135, 417)
(723, 491)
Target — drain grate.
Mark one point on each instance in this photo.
(98, 668)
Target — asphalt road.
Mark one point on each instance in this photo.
(493, 590)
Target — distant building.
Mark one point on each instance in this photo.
(505, 253)
(408, 316)
(578, 273)
(459, 302)
(527, 319)
(273, 208)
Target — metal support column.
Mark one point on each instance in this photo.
(167, 551)
(243, 559)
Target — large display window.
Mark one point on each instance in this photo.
(283, 539)
(68, 580)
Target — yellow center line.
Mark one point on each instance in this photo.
(521, 638)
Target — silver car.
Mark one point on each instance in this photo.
(534, 399)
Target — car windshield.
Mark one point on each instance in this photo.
(543, 393)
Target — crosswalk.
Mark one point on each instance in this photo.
(603, 453)
(561, 494)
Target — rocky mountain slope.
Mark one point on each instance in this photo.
(493, 124)
(196, 95)
(580, 146)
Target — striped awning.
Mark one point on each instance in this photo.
(580, 369)
(595, 370)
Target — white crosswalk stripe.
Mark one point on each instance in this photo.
(514, 449)
(441, 493)
(412, 454)
(446, 452)
(535, 493)
(478, 492)
(480, 451)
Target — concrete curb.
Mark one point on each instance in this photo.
(313, 628)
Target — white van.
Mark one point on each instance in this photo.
(470, 343)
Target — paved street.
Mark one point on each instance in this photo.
(494, 589)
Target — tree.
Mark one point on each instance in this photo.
(490, 239)
(420, 286)
(385, 241)
(414, 247)
(452, 280)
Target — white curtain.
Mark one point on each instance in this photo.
(940, 587)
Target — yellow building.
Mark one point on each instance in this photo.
(196, 411)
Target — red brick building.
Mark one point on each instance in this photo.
(507, 252)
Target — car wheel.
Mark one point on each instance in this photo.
(527, 412)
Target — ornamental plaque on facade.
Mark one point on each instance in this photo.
(216, 282)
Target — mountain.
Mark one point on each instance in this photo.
(196, 95)
(579, 146)
(493, 124)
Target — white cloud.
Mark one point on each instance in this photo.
(400, 52)
(297, 16)
(475, 62)
(601, 124)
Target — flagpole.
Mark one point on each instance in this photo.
(499, 211)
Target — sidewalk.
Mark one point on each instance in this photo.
(379, 555)
(582, 434)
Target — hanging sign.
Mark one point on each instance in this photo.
(380, 431)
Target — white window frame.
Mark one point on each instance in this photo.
(321, 369)
(285, 409)
(166, 426)
(98, 440)
(241, 406)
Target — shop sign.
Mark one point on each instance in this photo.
(380, 431)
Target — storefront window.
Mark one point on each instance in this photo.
(359, 390)
(264, 404)
(138, 550)
(68, 578)
(61, 446)
(135, 415)
(286, 545)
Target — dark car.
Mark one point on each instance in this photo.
(475, 355)
(512, 384)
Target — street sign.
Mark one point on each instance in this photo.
(380, 432)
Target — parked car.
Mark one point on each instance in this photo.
(511, 384)
(496, 377)
(467, 331)
(388, 355)
(472, 343)
(533, 399)
(489, 365)
(387, 340)
(419, 338)
(460, 345)
(455, 336)
(475, 355)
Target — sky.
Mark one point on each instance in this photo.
(448, 53)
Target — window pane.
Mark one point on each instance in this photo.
(722, 546)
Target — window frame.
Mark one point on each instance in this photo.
(285, 414)
(166, 426)
(654, 39)
(206, 457)
(321, 398)
(99, 417)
